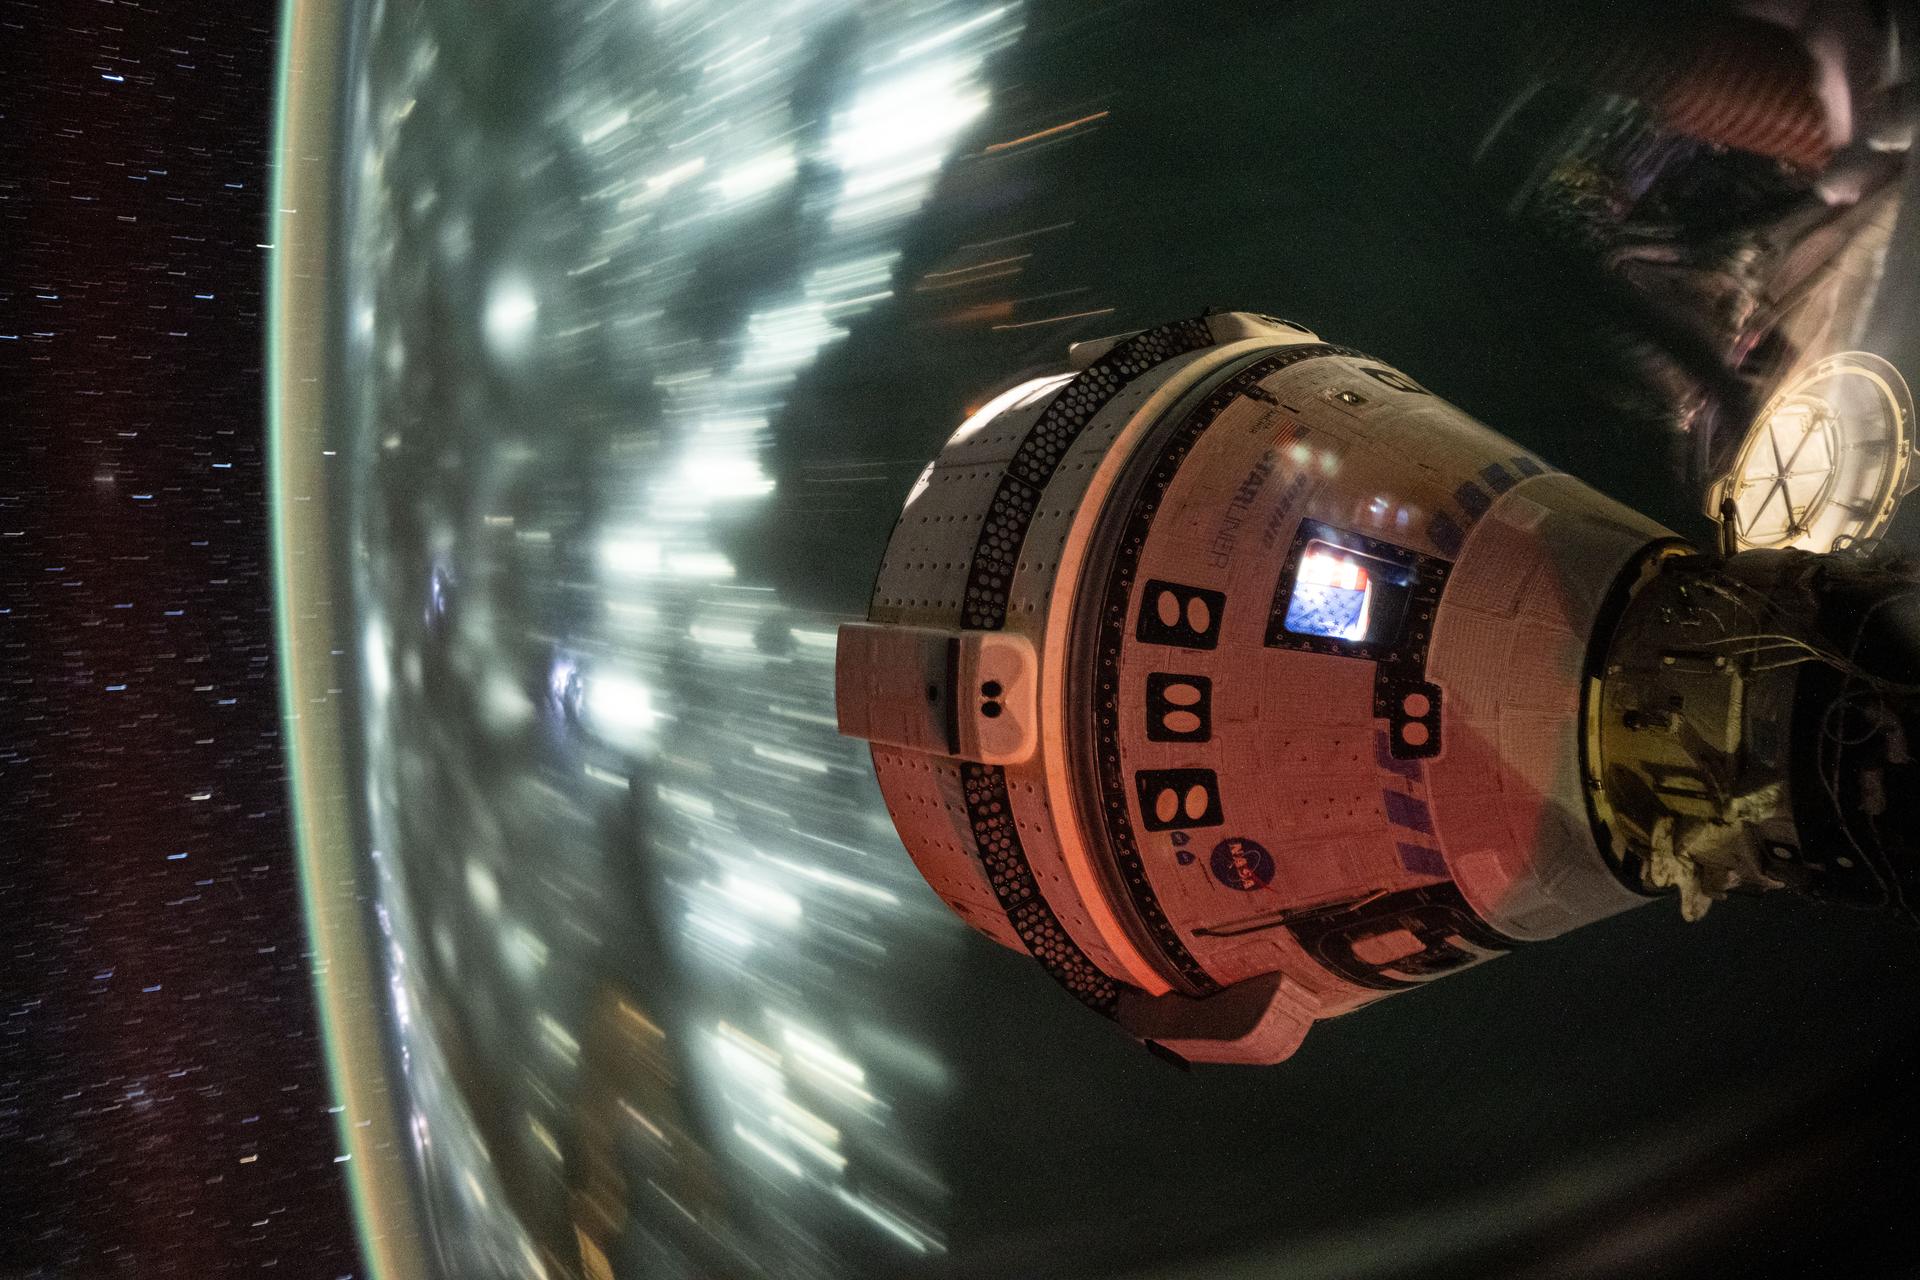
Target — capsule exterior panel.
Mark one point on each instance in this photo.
(1309, 649)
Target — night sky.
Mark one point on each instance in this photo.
(163, 1102)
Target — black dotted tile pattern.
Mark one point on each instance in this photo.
(997, 551)
(1112, 639)
(998, 839)
(1038, 457)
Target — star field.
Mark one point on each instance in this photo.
(163, 1104)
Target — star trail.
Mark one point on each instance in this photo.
(163, 1104)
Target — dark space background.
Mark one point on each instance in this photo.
(163, 1102)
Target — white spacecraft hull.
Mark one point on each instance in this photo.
(1287, 715)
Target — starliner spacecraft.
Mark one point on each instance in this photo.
(1242, 681)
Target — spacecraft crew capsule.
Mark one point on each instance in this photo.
(1242, 681)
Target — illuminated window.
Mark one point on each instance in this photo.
(1342, 594)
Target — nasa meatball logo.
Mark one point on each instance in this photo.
(1242, 864)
